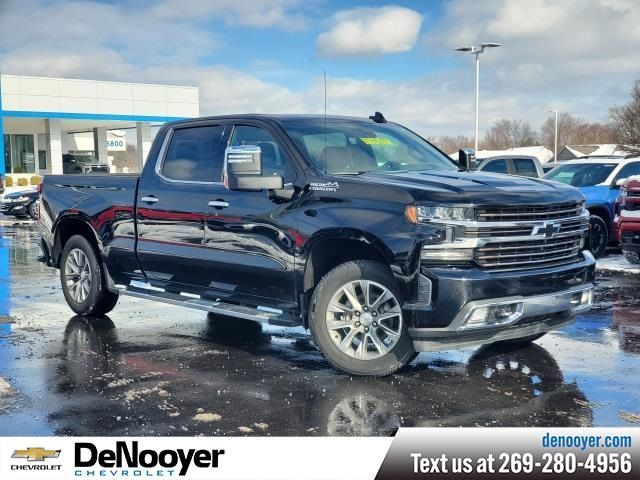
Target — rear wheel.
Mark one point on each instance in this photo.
(82, 278)
(357, 322)
(599, 236)
(632, 257)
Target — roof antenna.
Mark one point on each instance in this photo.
(325, 95)
(325, 117)
(378, 118)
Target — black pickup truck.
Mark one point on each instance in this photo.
(355, 228)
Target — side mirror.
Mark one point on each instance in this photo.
(243, 170)
(618, 183)
(467, 158)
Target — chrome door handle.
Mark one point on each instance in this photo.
(150, 199)
(218, 204)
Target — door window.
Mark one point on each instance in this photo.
(497, 166)
(195, 154)
(274, 159)
(525, 167)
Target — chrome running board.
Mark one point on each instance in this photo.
(260, 314)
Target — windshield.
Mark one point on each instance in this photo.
(581, 174)
(343, 147)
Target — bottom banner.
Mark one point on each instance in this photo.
(513, 453)
(414, 453)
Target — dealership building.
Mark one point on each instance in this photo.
(45, 119)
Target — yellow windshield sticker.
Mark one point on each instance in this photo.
(377, 141)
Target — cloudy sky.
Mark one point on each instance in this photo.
(579, 56)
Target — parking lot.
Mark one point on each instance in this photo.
(151, 369)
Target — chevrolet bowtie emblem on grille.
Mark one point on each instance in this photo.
(35, 454)
(547, 229)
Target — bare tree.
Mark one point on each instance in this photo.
(626, 121)
(449, 144)
(506, 133)
(575, 131)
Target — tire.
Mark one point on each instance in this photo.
(33, 209)
(386, 353)
(524, 341)
(83, 280)
(632, 257)
(599, 236)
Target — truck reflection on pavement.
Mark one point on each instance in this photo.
(246, 376)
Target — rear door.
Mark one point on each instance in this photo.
(250, 235)
(171, 205)
(525, 167)
(499, 165)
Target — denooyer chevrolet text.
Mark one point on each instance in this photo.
(357, 229)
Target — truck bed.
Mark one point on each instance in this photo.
(106, 202)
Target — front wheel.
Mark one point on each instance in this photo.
(357, 321)
(33, 209)
(82, 279)
(599, 236)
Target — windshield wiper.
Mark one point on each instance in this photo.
(349, 173)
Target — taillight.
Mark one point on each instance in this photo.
(40, 188)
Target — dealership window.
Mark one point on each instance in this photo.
(19, 154)
(42, 160)
(7, 154)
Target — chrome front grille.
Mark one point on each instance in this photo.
(530, 213)
(529, 254)
(515, 238)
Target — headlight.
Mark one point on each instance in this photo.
(422, 213)
(21, 199)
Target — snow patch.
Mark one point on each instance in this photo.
(5, 389)
(617, 263)
(207, 417)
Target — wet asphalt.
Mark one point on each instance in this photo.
(152, 369)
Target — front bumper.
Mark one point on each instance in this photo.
(542, 298)
(630, 236)
(539, 314)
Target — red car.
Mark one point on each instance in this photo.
(627, 221)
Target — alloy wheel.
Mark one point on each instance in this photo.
(364, 319)
(77, 272)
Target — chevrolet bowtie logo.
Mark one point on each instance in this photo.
(35, 454)
(547, 229)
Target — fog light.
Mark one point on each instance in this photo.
(493, 315)
(582, 298)
(576, 299)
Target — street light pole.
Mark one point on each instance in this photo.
(555, 142)
(475, 147)
(477, 50)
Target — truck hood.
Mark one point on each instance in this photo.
(474, 187)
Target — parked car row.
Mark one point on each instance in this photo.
(599, 179)
(21, 204)
(627, 219)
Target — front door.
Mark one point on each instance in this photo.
(250, 235)
(171, 206)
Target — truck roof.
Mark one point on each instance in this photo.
(280, 118)
(596, 160)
